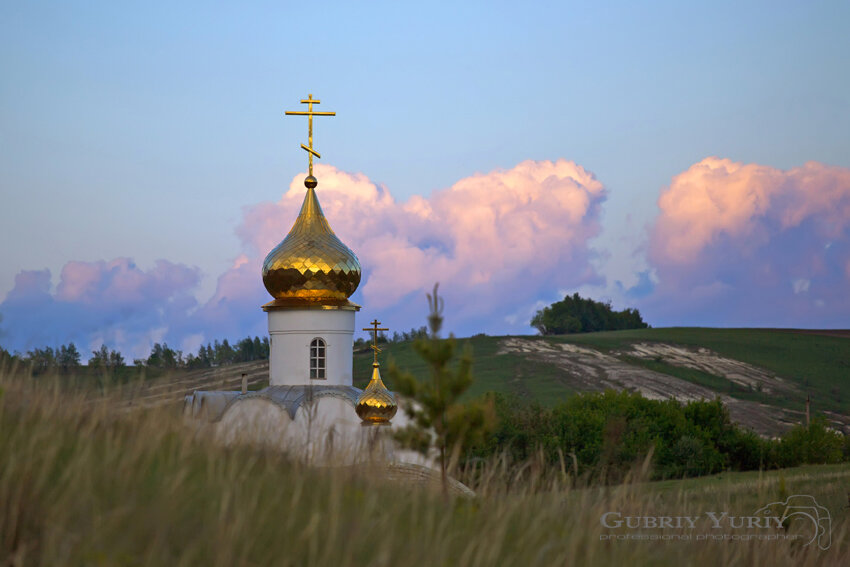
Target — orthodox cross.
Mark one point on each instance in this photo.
(374, 330)
(310, 114)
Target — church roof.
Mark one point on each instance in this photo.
(290, 398)
(376, 404)
(311, 265)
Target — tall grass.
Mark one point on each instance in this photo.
(82, 484)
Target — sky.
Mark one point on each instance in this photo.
(688, 159)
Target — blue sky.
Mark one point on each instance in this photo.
(145, 130)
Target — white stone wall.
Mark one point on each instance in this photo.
(256, 421)
(291, 331)
(325, 431)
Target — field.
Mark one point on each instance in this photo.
(819, 363)
(764, 375)
(82, 484)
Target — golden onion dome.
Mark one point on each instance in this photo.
(376, 405)
(311, 263)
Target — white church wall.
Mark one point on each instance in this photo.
(292, 331)
(400, 455)
(325, 431)
(257, 421)
(332, 430)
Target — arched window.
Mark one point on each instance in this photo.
(317, 359)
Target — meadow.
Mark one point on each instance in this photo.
(84, 484)
(817, 364)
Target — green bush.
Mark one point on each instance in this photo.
(812, 444)
(607, 433)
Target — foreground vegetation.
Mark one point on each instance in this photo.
(80, 485)
(601, 435)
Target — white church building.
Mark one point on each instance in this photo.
(311, 407)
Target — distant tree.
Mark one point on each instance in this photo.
(258, 348)
(575, 314)
(420, 333)
(68, 357)
(244, 350)
(248, 350)
(436, 418)
(44, 359)
(7, 358)
(165, 358)
(223, 353)
(105, 358)
(205, 356)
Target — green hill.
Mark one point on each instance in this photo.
(765, 374)
(762, 375)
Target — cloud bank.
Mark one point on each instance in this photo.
(496, 242)
(94, 303)
(733, 245)
(750, 245)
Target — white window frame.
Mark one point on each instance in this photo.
(318, 359)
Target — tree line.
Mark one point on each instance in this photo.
(64, 358)
(67, 358)
(575, 314)
(217, 353)
(361, 343)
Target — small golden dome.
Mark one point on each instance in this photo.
(376, 405)
(311, 262)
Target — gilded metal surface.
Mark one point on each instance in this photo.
(376, 404)
(374, 330)
(288, 303)
(311, 263)
(310, 101)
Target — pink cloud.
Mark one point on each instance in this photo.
(490, 239)
(754, 245)
(121, 281)
(496, 242)
(114, 302)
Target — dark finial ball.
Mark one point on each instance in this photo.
(310, 182)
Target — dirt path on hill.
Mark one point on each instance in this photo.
(704, 360)
(588, 369)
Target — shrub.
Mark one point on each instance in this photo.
(608, 433)
(812, 444)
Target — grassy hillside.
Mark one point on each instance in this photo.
(819, 364)
(81, 485)
(815, 363)
(805, 362)
(506, 373)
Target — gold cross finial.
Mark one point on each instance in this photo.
(310, 114)
(374, 329)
